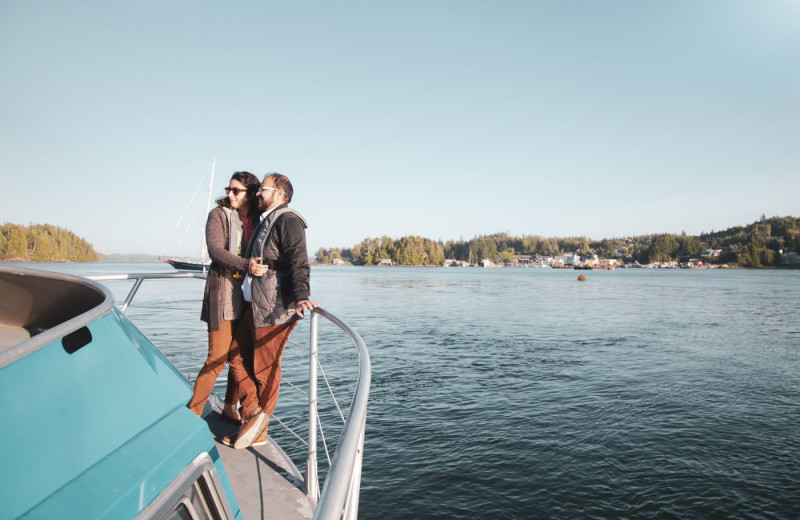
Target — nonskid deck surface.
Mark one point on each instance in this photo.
(266, 485)
(10, 336)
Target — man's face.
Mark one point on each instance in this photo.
(269, 196)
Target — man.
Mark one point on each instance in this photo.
(277, 292)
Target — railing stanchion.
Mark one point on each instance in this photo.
(311, 477)
(131, 294)
(351, 507)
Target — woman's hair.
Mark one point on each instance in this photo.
(252, 184)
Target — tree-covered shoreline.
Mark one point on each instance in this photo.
(759, 244)
(43, 243)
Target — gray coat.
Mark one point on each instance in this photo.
(222, 297)
(280, 240)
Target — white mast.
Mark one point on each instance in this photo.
(208, 208)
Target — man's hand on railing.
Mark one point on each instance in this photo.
(305, 304)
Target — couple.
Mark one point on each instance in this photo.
(257, 289)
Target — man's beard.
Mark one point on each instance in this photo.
(262, 205)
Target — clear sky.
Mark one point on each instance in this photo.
(446, 119)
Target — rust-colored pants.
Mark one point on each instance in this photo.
(219, 345)
(256, 354)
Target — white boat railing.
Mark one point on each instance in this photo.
(341, 488)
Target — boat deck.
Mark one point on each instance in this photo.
(266, 483)
(11, 336)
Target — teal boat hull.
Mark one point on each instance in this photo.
(102, 432)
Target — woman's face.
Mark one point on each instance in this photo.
(237, 194)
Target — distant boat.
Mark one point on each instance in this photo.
(188, 266)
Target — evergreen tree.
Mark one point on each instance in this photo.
(43, 243)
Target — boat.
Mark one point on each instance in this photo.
(96, 424)
(204, 264)
(186, 265)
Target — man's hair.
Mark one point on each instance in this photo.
(282, 183)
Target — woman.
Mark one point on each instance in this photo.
(228, 230)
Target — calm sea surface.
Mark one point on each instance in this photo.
(524, 393)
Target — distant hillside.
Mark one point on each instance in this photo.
(43, 243)
(117, 257)
(760, 244)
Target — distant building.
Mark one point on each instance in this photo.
(792, 259)
(606, 263)
(519, 260)
(385, 262)
(456, 263)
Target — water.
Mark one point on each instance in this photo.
(524, 393)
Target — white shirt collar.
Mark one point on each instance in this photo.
(264, 215)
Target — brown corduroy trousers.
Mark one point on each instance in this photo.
(255, 360)
(219, 344)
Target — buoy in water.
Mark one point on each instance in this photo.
(581, 278)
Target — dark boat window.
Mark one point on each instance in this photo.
(196, 493)
(180, 513)
(199, 501)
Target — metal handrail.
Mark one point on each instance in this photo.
(340, 491)
(139, 278)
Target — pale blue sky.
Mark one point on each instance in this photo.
(444, 119)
